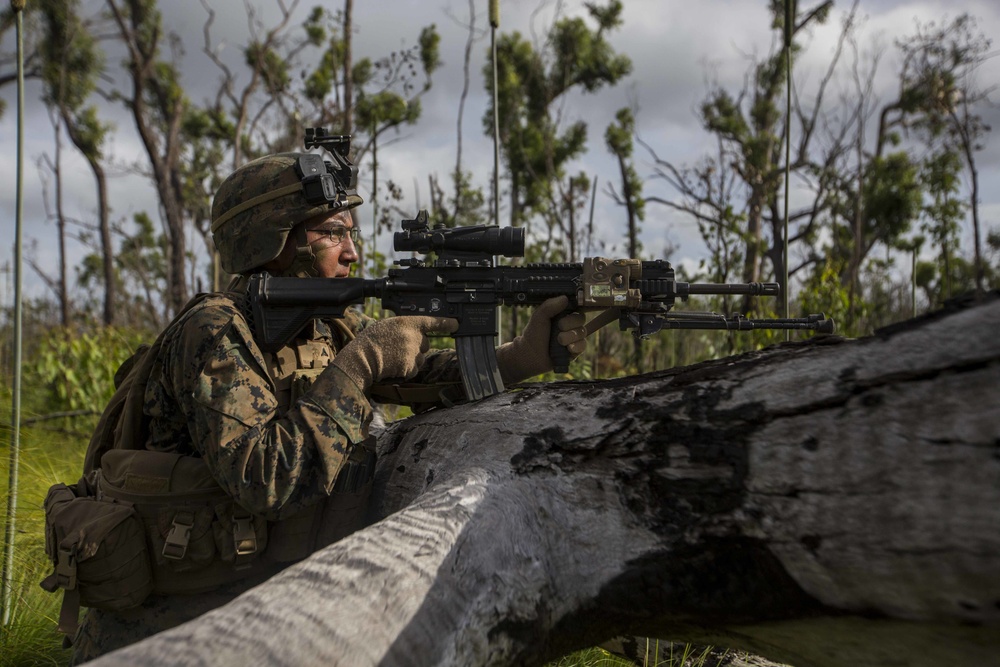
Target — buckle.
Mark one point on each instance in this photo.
(66, 568)
(244, 537)
(176, 543)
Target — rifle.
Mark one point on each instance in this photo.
(463, 281)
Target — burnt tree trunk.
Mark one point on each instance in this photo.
(835, 503)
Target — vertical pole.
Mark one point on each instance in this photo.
(572, 224)
(590, 236)
(789, 24)
(494, 26)
(371, 251)
(15, 446)
(590, 220)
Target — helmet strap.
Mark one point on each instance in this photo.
(304, 263)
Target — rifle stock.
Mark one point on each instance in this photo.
(280, 307)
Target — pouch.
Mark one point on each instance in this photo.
(98, 550)
(199, 538)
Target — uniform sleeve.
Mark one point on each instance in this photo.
(272, 464)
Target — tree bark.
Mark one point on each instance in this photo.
(830, 503)
(103, 219)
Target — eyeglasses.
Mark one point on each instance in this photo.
(338, 234)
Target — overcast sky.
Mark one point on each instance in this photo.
(675, 48)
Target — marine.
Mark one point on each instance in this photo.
(222, 464)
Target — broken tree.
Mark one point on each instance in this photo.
(831, 503)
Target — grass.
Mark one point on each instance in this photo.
(46, 458)
(656, 653)
(591, 657)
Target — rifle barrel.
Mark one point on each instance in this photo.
(753, 289)
(817, 322)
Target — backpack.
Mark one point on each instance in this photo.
(142, 522)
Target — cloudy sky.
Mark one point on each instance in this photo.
(675, 48)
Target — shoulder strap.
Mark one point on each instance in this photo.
(105, 436)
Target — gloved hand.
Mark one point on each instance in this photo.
(528, 354)
(390, 348)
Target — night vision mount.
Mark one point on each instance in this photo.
(324, 181)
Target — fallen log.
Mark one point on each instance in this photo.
(831, 503)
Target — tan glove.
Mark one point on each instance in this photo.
(528, 354)
(390, 348)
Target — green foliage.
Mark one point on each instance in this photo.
(64, 371)
(778, 7)
(430, 57)
(465, 206)
(166, 96)
(71, 62)
(582, 56)
(272, 67)
(824, 292)
(735, 194)
(618, 138)
(314, 26)
(320, 81)
(71, 59)
(892, 197)
(536, 151)
(941, 280)
(73, 371)
(657, 654)
(363, 71)
(385, 108)
(936, 76)
(90, 132)
(207, 123)
(592, 657)
(386, 93)
(942, 215)
(141, 273)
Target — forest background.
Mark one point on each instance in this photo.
(640, 128)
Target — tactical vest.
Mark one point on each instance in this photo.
(143, 522)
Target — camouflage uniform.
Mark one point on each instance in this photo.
(215, 394)
(275, 430)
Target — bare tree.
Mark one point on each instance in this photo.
(749, 129)
(157, 104)
(71, 65)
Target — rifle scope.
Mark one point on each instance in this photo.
(474, 240)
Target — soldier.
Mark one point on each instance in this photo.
(285, 435)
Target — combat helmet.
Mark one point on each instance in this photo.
(257, 205)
